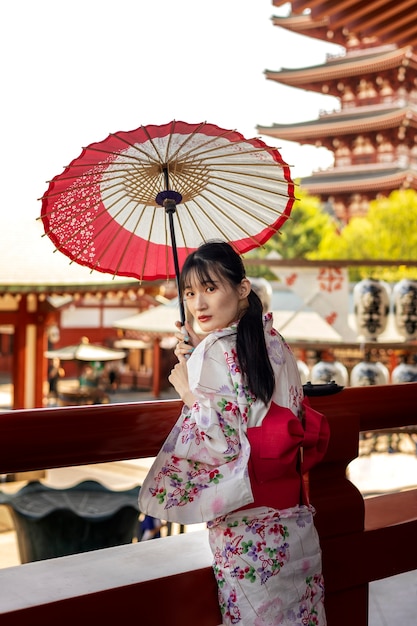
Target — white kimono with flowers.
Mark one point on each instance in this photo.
(267, 562)
(201, 471)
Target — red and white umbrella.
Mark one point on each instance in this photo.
(138, 202)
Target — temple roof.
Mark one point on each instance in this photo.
(337, 181)
(389, 21)
(344, 122)
(304, 25)
(358, 63)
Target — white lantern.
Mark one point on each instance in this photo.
(368, 373)
(327, 371)
(405, 308)
(404, 373)
(371, 299)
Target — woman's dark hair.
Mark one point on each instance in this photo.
(217, 258)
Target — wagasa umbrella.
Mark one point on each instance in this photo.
(138, 202)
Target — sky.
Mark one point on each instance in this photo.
(72, 72)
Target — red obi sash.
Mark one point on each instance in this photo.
(283, 448)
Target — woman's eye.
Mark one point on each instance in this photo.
(211, 289)
(188, 294)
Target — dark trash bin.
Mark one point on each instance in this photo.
(56, 522)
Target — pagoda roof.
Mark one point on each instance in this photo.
(337, 181)
(355, 63)
(345, 122)
(389, 21)
(304, 25)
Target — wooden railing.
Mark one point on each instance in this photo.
(169, 581)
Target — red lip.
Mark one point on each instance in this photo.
(204, 318)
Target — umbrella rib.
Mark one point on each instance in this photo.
(193, 220)
(130, 239)
(87, 209)
(202, 150)
(210, 139)
(244, 166)
(216, 223)
(165, 159)
(68, 220)
(137, 147)
(151, 160)
(77, 177)
(187, 139)
(229, 219)
(195, 149)
(253, 187)
(129, 156)
(81, 228)
(81, 185)
(199, 174)
(121, 226)
(242, 209)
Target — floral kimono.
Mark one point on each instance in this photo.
(267, 562)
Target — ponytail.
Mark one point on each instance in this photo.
(252, 353)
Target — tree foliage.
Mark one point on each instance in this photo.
(300, 235)
(387, 232)
(304, 230)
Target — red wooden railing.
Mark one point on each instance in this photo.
(168, 581)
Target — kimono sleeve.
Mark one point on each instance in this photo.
(201, 471)
(213, 428)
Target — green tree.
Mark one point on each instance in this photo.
(387, 232)
(300, 235)
(304, 230)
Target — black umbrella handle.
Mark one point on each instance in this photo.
(170, 208)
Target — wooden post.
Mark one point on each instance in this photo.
(156, 373)
(19, 355)
(340, 515)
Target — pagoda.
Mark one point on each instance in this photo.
(373, 133)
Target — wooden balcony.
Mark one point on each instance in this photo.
(172, 577)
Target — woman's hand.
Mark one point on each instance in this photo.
(186, 342)
(179, 380)
(179, 374)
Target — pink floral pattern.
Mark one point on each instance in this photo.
(267, 567)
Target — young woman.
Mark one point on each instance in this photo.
(233, 459)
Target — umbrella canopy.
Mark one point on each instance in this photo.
(113, 207)
(85, 351)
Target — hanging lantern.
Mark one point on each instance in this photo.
(405, 308)
(404, 373)
(367, 373)
(327, 371)
(371, 299)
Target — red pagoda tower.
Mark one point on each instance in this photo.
(373, 135)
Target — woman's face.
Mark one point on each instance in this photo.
(215, 304)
